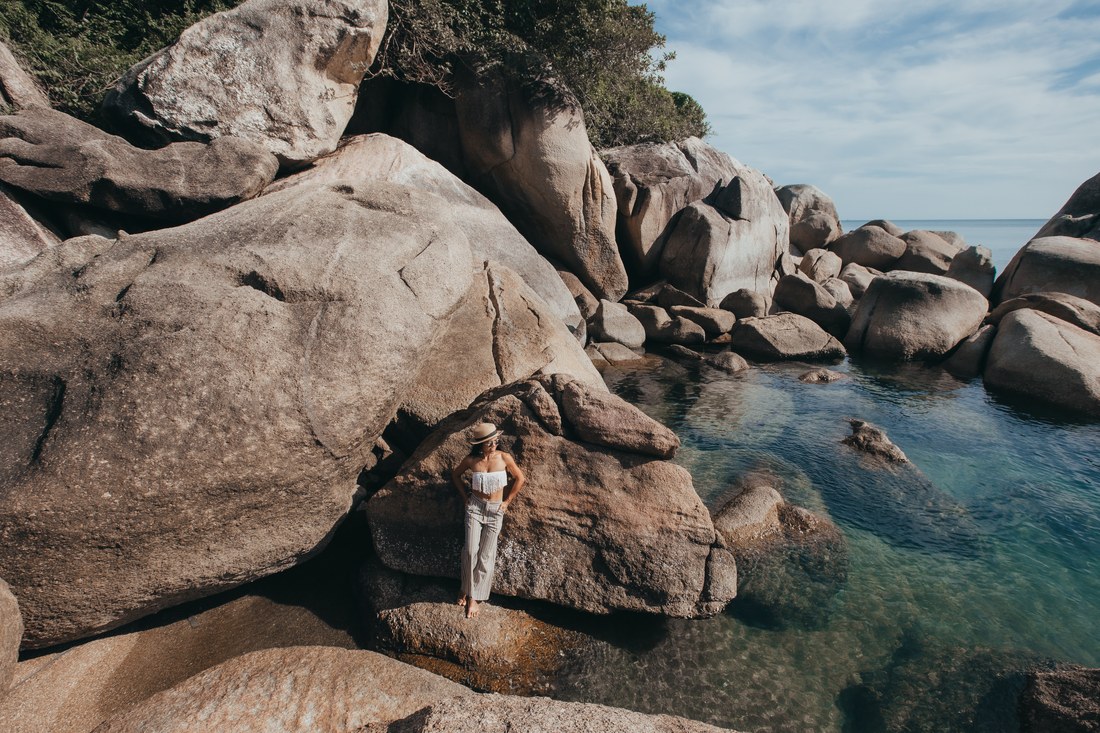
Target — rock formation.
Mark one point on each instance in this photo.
(22, 236)
(1061, 701)
(813, 218)
(1069, 308)
(17, 89)
(1052, 264)
(784, 336)
(869, 246)
(1080, 217)
(11, 634)
(926, 252)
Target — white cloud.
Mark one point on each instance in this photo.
(942, 110)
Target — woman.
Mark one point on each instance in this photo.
(486, 496)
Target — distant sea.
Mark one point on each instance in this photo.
(1003, 236)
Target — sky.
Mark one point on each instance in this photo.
(930, 109)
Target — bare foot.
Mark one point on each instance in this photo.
(462, 600)
(471, 609)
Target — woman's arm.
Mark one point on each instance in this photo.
(456, 478)
(518, 479)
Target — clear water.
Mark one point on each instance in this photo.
(994, 549)
(1003, 236)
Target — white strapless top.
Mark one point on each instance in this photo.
(488, 482)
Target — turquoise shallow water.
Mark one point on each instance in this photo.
(991, 555)
(1002, 236)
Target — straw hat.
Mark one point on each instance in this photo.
(483, 432)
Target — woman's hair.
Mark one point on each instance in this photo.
(478, 448)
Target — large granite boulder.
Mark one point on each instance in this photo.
(379, 157)
(782, 337)
(281, 73)
(1040, 356)
(313, 688)
(602, 524)
(662, 327)
(799, 294)
(1071, 309)
(530, 154)
(17, 89)
(813, 218)
(11, 634)
(858, 278)
(502, 333)
(974, 266)
(1080, 217)
(728, 241)
(926, 252)
(713, 321)
(820, 265)
(613, 322)
(1063, 700)
(1052, 264)
(62, 159)
(200, 400)
(869, 246)
(746, 303)
(535, 715)
(22, 235)
(909, 315)
(653, 182)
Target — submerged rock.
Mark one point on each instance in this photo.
(1065, 700)
(601, 525)
(873, 442)
(821, 376)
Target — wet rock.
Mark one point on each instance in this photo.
(926, 252)
(819, 265)
(300, 688)
(1080, 216)
(502, 333)
(974, 266)
(799, 294)
(653, 182)
(725, 361)
(661, 327)
(529, 153)
(858, 278)
(869, 246)
(821, 376)
(11, 633)
(784, 336)
(613, 322)
(535, 715)
(908, 315)
(22, 235)
(492, 237)
(728, 241)
(60, 158)
(629, 532)
(112, 352)
(714, 321)
(281, 74)
(968, 360)
(873, 442)
(18, 90)
(1061, 701)
(1052, 264)
(813, 218)
(1037, 355)
(746, 304)
(615, 353)
(1077, 311)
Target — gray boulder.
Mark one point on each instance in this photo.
(1052, 264)
(62, 159)
(22, 236)
(632, 535)
(799, 294)
(714, 321)
(968, 359)
(974, 266)
(728, 241)
(909, 315)
(1071, 309)
(492, 237)
(669, 297)
(926, 252)
(745, 303)
(840, 290)
(587, 303)
(530, 155)
(886, 225)
(819, 265)
(1080, 217)
(663, 328)
(613, 322)
(869, 246)
(11, 634)
(614, 353)
(653, 182)
(813, 218)
(725, 361)
(858, 278)
(18, 90)
(1040, 356)
(280, 73)
(287, 327)
(784, 336)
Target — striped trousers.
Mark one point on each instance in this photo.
(479, 556)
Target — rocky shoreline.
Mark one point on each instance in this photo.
(228, 325)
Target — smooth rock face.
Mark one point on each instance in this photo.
(746, 304)
(662, 327)
(813, 217)
(286, 328)
(281, 73)
(784, 336)
(926, 252)
(974, 266)
(296, 689)
(840, 290)
(858, 278)
(887, 226)
(60, 158)
(968, 360)
(728, 241)
(908, 315)
(1040, 356)
(533, 159)
(799, 294)
(17, 89)
(22, 236)
(653, 182)
(11, 633)
(1071, 309)
(669, 296)
(586, 302)
(1052, 264)
(599, 526)
(714, 321)
(502, 333)
(1061, 701)
(492, 237)
(535, 715)
(613, 322)
(819, 265)
(1080, 217)
(869, 246)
